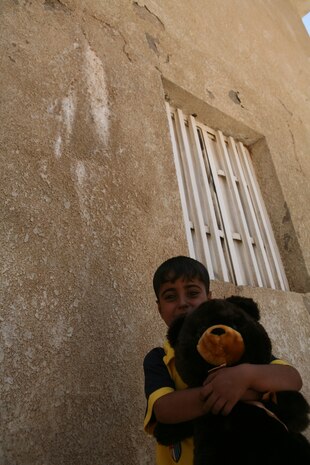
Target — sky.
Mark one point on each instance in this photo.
(306, 21)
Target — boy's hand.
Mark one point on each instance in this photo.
(224, 387)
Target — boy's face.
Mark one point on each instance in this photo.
(180, 297)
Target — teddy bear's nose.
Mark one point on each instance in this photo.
(218, 331)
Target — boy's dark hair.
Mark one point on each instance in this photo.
(180, 267)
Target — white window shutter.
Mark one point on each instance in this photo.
(226, 222)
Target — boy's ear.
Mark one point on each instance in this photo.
(174, 329)
(247, 304)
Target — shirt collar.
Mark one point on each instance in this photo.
(169, 352)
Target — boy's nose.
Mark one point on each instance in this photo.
(183, 302)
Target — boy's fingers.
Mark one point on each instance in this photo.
(210, 402)
(207, 406)
(214, 404)
(227, 408)
(206, 391)
(218, 407)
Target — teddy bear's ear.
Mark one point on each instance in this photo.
(174, 329)
(247, 304)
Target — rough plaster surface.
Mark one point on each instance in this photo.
(90, 203)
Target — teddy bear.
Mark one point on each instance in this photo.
(227, 332)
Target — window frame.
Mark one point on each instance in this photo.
(219, 190)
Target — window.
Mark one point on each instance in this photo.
(306, 21)
(226, 222)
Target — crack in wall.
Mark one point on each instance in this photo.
(287, 216)
(295, 151)
(152, 41)
(234, 96)
(285, 107)
(145, 13)
(56, 5)
(115, 31)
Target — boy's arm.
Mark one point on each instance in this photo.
(179, 406)
(223, 389)
(165, 404)
(226, 386)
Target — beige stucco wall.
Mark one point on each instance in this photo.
(90, 203)
(302, 6)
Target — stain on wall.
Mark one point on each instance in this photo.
(98, 93)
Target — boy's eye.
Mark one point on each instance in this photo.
(194, 293)
(169, 297)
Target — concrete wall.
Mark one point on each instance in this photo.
(90, 203)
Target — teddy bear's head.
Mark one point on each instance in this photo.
(220, 331)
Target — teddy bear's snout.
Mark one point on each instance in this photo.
(221, 344)
(218, 331)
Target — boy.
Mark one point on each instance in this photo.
(181, 284)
